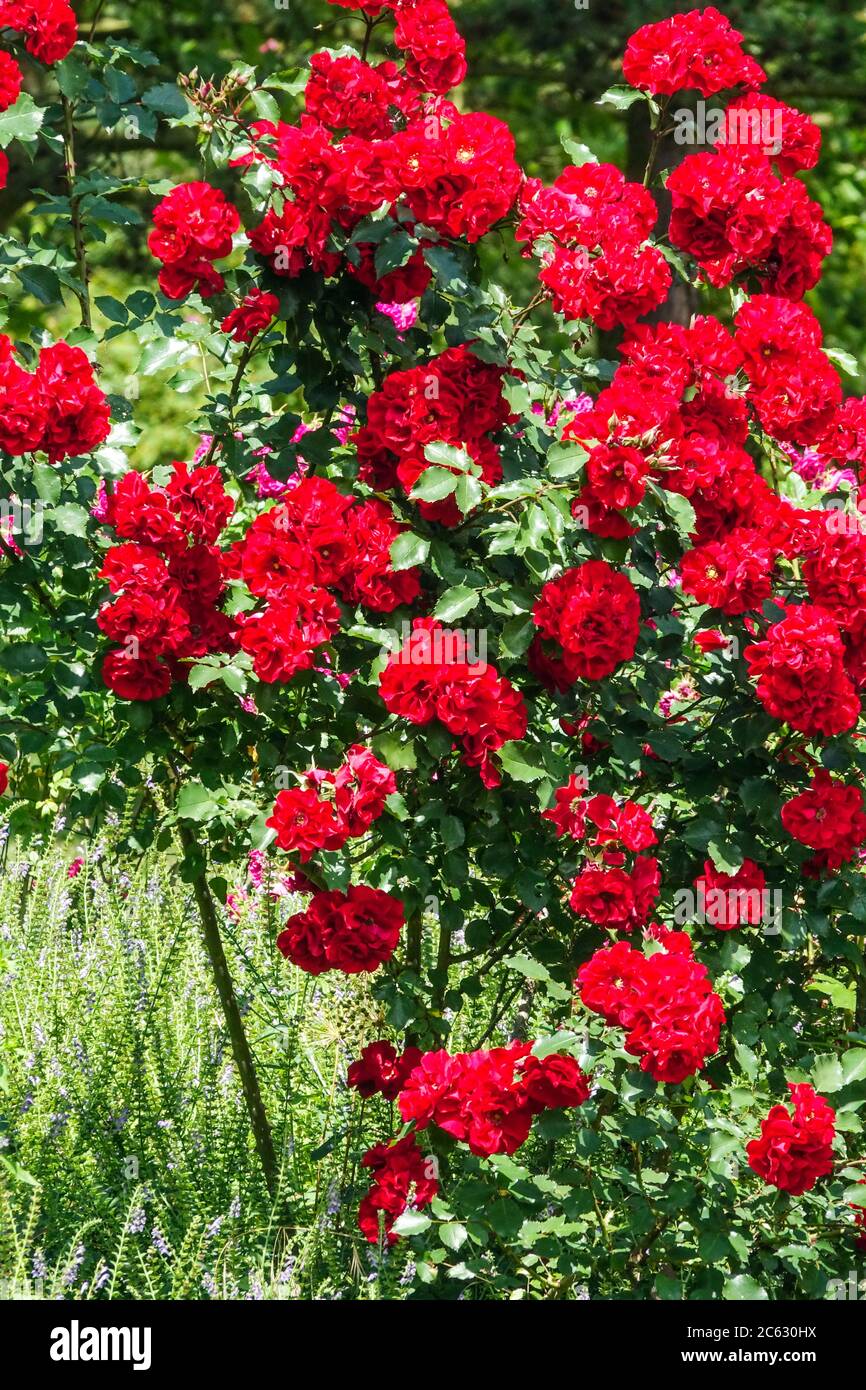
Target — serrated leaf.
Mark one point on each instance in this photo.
(744, 1288)
(827, 1074)
(453, 1235)
(456, 603)
(409, 550)
(519, 762)
(411, 1223)
(22, 121)
(434, 485)
(620, 97)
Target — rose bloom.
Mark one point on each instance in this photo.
(795, 1148)
(256, 313)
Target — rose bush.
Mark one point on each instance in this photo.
(600, 850)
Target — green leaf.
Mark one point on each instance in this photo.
(728, 859)
(525, 965)
(448, 456)
(71, 77)
(167, 99)
(409, 550)
(162, 352)
(848, 364)
(682, 511)
(456, 603)
(449, 273)
(47, 482)
(566, 460)
(397, 752)
(21, 122)
(196, 803)
(521, 763)
(841, 996)
(434, 485)
(40, 281)
(23, 658)
(620, 97)
(743, 1288)
(112, 309)
(71, 519)
(827, 1074)
(395, 251)
(453, 1235)
(411, 1223)
(468, 493)
(577, 152)
(566, 1041)
(854, 1065)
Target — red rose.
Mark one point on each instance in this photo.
(593, 612)
(800, 672)
(732, 900)
(699, 50)
(10, 81)
(665, 1002)
(193, 226)
(352, 932)
(382, 1071)
(796, 1147)
(253, 315)
(401, 1178)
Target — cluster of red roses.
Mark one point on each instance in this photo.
(795, 1149)
(801, 673)
(315, 539)
(58, 409)
(4, 777)
(605, 891)
(591, 229)
(168, 579)
(665, 1002)
(370, 135)
(729, 209)
(193, 226)
(488, 1099)
(592, 614)
(352, 932)
(829, 818)
(402, 1177)
(484, 1099)
(677, 411)
(170, 592)
(454, 399)
(732, 900)
(306, 821)
(734, 215)
(433, 676)
(696, 51)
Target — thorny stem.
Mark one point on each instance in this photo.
(82, 294)
(413, 943)
(231, 1012)
(658, 135)
(234, 391)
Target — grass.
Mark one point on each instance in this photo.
(126, 1165)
